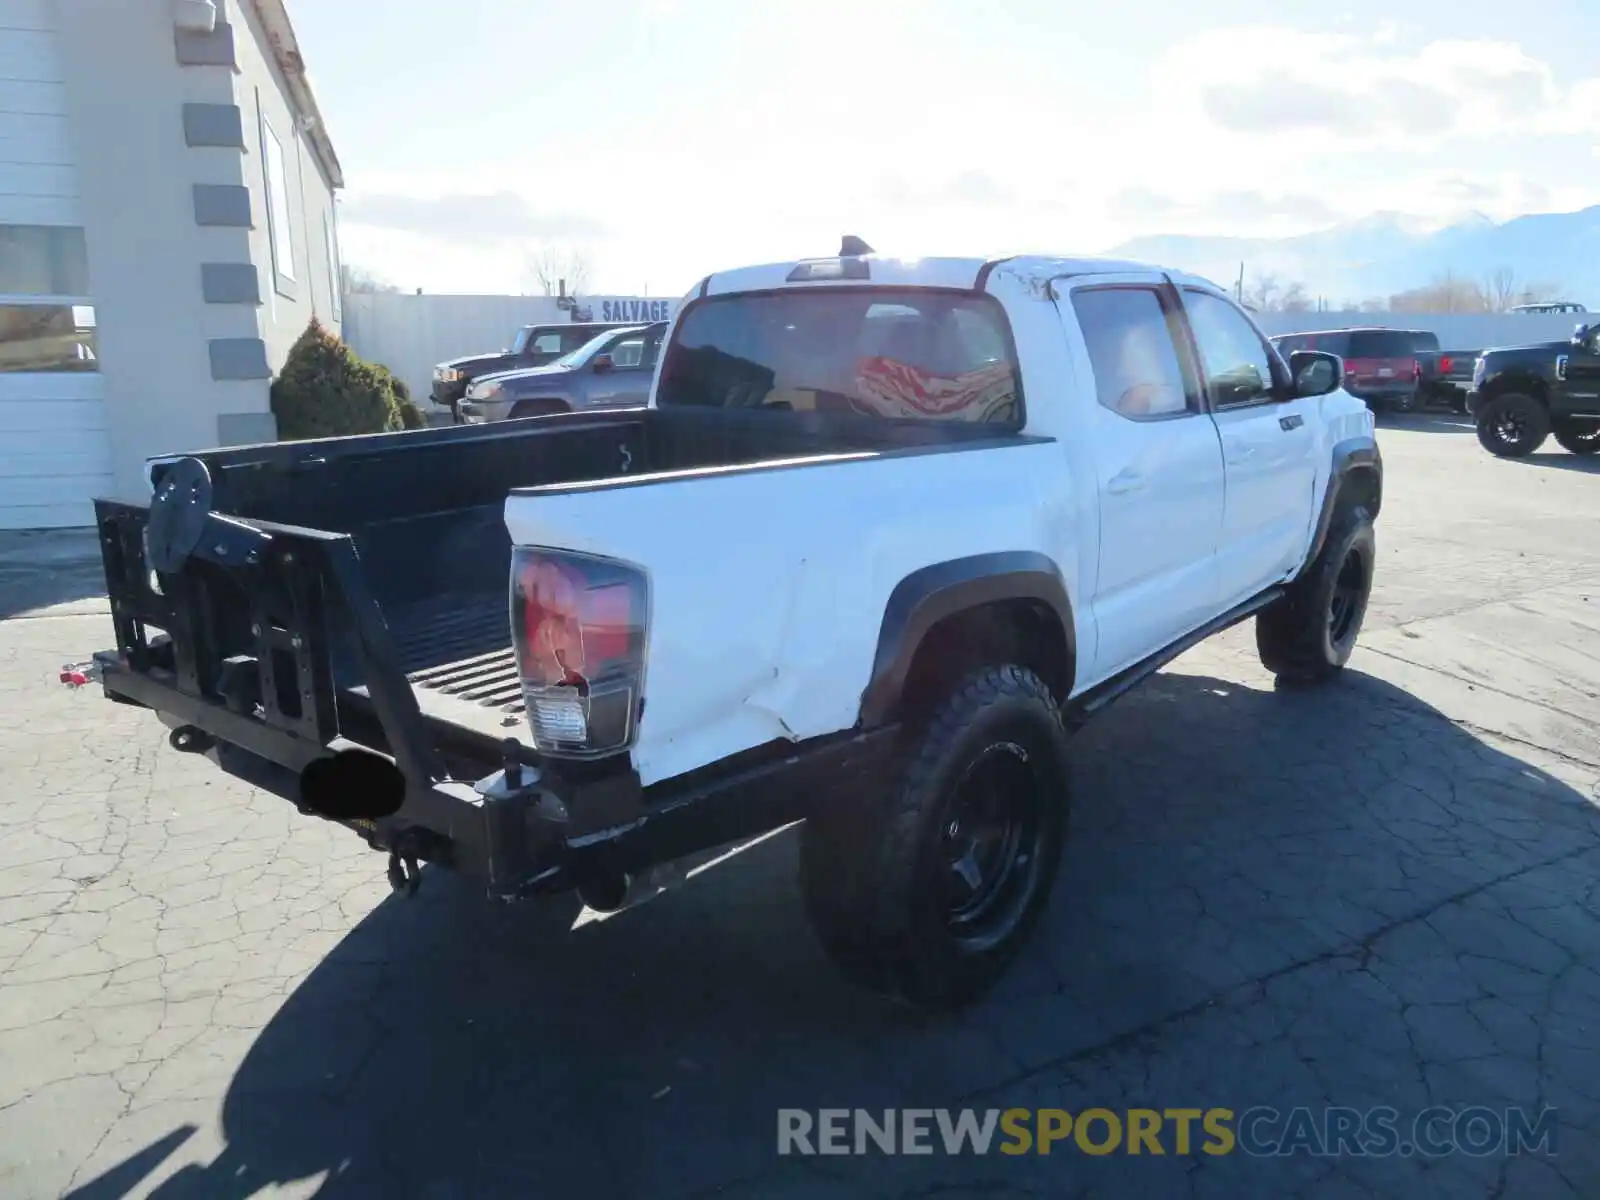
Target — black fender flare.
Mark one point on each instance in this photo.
(1519, 378)
(1356, 462)
(928, 595)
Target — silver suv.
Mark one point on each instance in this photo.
(612, 370)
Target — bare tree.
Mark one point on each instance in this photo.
(1270, 294)
(1539, 293)
(1262, 294)
(558, 269)
(1294, 299)
(1500, 290)
(358, 281)
(1448, 293)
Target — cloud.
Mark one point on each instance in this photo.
(1243, 207)
(964, 188)
(468, 217)
(1369, 89)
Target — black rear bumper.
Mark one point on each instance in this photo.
(263, 626)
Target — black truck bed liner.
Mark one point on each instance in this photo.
(423, 515)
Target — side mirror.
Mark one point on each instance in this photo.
(1315, 372)
(602, 363)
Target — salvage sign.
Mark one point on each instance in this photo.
(631, 310)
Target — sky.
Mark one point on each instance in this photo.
(660, 140)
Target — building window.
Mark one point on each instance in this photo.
(47, 337)
(43, 260)
(46, 321)
(278, 225)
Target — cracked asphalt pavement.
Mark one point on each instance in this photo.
(1383, 892)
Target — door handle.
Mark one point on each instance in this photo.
(1241, 454)
(1124, 482)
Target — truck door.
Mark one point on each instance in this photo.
(1158, 465)
(1268, 446)
(1579, 378)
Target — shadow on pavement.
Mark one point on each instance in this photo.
(1562, 461)
(44, 568)
(1427, 422)
(1227, 841)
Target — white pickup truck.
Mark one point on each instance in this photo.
(886, 533)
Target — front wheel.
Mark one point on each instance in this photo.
(1308, 634)
(927, 894)
(1512, 426)
(1579, 437)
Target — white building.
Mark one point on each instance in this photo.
(166, 231)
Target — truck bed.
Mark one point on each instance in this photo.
(424, 511)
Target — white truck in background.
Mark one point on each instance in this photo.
(886, 532)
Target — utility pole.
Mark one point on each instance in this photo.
(1238, 288)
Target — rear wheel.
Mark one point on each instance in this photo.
(927, 894)
(1512, 426)
(1580, 437)
(1307, 636)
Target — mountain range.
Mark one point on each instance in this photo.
(1386, 253)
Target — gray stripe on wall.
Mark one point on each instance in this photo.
(213, 125)
(230, 283)
(246, 429)
(238, 358)
(214, 49)
(222, 204)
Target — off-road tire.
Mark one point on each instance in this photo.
(1307, 635)
(536, 408)
(1579, 437)
(1512, 426)
(873, 868)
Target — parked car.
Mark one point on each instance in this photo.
(886, 531)
(1393, 368)
(1551, 306)
(1522, 394)
(534, 346)
(611, 370)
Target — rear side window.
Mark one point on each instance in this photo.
(896, 353)
(1135, 362)
(1382, 343)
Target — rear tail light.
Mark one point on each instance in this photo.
(1416, 369)
(578, 624)
(1446, 364)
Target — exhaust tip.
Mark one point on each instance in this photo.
(352, 785)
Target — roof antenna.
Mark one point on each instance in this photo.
(853, 247)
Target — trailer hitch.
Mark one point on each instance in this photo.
(405, 876)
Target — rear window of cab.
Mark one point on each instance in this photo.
(893, 353)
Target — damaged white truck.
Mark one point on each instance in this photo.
(886, 532)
